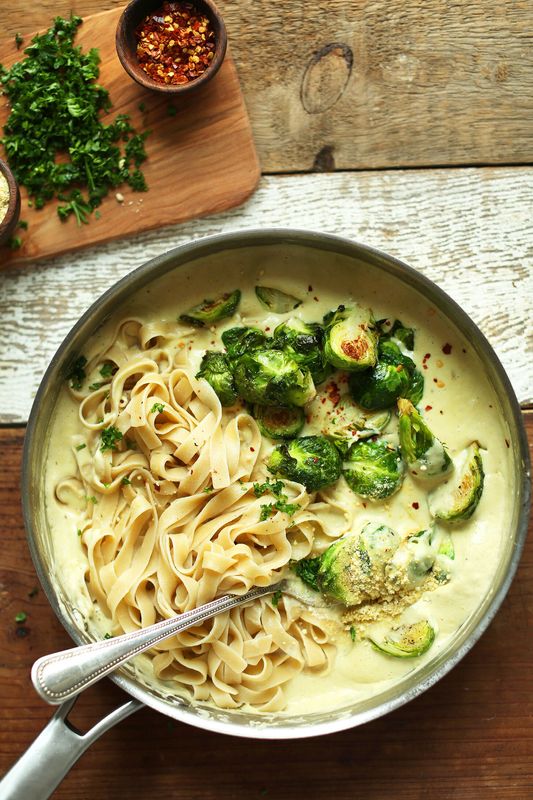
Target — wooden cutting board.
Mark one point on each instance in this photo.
(201, 160)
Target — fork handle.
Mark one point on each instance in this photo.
(60, 676)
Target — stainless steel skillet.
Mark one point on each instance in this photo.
(251, 248)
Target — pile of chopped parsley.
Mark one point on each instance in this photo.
(54, 139)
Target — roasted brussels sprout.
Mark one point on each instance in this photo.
(276, 301)
(407, 641)
(209, 311)
(457, 498)
(373, 469)
(272, 377)
(215, 369)
(351, 339)
(239, 341)
(394, 376)
(303, 341)
(352, 569)
(425, 455)
(347, 422)
(311, 460)
(279, 422)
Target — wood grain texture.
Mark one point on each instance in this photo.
(201, 160)
(468, 230)
(467, 738)
(431, 82)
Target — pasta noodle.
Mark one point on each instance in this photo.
(172, 521)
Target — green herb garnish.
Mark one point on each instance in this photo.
(80, 446)
(276, 597)
(107, 370)
(94, 386)
(125, 481)
(77, 375)
(353, 633)
(21, 617)
(109, 438)
(281, 504)
(159, 407)
(54, 138)
(15, 242)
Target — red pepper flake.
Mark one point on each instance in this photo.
(175, 43)
(447, 349)
(428, 408)
(252, 449)
(507, 443)
(323, 401)
(267, 330)
(427, 356)
(315, 299)
(415, 505)
(309, 288)
(364, 505)
(333, 393)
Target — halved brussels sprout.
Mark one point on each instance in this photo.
(394, 376)
(310, 460)
(209, 311)
(457, 498)
(425, 455)
(351, 339)
(407, 641)
(347, 422)
(279, 422)
(272, 377)
(215, 369)
(303, 341)
(238, 341)
(373, 469)
(276, 301)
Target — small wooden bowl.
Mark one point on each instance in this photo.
(126, 44)
(11, 218)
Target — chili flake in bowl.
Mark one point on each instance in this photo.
(171, 47)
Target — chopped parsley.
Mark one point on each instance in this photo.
(281, 504)
(107, 370)
(125, 481)
(56, 109)
(23, 224)
(159, 407)
(79, 531)
(91, 499)
(80, 446)
(94, 386)
(15, 243)
(33, 592)
(108, 636)
(208, 489)
(276, 597)
(109, 438)
(21, 617)
(77, 375)
(353, 633)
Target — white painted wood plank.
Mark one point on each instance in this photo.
(469, 230)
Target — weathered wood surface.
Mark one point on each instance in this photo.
(343, 84)
(201, 160)
(469, 230)
(469, 737)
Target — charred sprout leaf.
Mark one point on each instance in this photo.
(394, 376)
(271, 377)
(215, 369)
(109, 438)
(210, 311)
(425, 455)
(303, 341)
(407, 641)
(77, 374)
(373, 469)
(307, 570)
(239, 341)
(351, 339)
(54, 138)
(276, 301)
(457, 498)
(279, 422)
(311, 460)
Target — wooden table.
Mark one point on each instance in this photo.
(406, 126)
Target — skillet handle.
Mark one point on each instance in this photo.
(57, 748)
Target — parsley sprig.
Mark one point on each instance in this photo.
(281, 504)
(54, 138)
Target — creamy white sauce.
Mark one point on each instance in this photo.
(464, 407)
